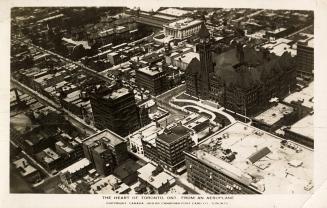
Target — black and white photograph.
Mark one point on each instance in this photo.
(163, 101)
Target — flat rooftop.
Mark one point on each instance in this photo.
(304, 127)
(77, 166)
(108, 136)
(184, 23)
(259, 160)
(148, 134)
(280, 46)
(274, 114)
(109, 185)
(305, 96)
(150, 70)
(174, 12)
(307, 40)
(119, 93)
(145, 173)
(24, 166)
(174, 133)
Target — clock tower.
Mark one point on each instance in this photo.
(206, 63)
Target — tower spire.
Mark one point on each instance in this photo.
(203, 32)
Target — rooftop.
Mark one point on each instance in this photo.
(109, 185)
(305, 96)
(151, 70)
(174, 12)
(307, 39)
(184, 23)
(304, 127)
(148, 134)
(274, 114)
(48, 155)
(170, 135)
(281, 45)
(145, 173)
(77, 166)
(119, 93)
(107, 136)
(255, 158)
(194, 120)
(24, 166)
(187, 57)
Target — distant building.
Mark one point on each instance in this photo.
(106, 150)
(305, 57)
(115, 110)
(182, 29)
(170, 145)
(151, 18)
(174, 12)
(241, 79)
(153, 79)
(302, 131)
(278, 33)
(242, 159)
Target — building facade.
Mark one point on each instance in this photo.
(305, 58)
(241, 78)
(106, 150)
(183, 28)
(115, 110)
(170, 145)
(153, 79)
(211, 180)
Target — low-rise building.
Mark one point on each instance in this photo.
(155, 180)
(302, 131)
(275, 117)
(50, 159)
(75, 171)
(109, 185)
(26, 170)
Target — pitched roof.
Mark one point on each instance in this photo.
(194, 66)
(203, 32)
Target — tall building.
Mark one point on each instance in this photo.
(170, 145)
(240, 78)
(153, 79)
(242, 159)
(115, 110)
(305, 57)
(106, 150)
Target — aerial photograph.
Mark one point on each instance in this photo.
(189, 100)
